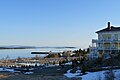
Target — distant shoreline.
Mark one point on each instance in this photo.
(4, 48)
(1, 48)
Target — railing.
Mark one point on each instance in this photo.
(93, 48)
(105, 40)
(94, 40)
(109, 40)
(108, 48)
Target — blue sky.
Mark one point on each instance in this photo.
(55, 22)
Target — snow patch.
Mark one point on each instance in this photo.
(28, 73)
(100, 75)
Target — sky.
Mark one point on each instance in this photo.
(55, 22)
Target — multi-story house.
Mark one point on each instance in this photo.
(108, 42)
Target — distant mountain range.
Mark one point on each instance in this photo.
(28, 47)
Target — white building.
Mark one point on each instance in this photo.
(108, 42)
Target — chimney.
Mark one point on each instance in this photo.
(109, 27)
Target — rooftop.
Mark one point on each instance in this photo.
(109, 29)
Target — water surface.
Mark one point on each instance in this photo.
(25, 53)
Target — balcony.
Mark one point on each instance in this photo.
(100, 48)
(108, 48)
(93, 48)
(116, 40)
(94, 40)
(108, 40)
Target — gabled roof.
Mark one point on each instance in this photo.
(109, 30)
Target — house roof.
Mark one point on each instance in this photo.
(109, 30)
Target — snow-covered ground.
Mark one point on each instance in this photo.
(9, 70)
(100, 75)
(68, 74)
(5, 69)
(28, 73)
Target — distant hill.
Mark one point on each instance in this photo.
(28, 47)
(16, 47)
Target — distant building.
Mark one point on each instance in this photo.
(108, 42)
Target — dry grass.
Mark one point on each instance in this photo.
(20, 76)
(3, 76)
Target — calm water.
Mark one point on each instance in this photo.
(14, 53)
